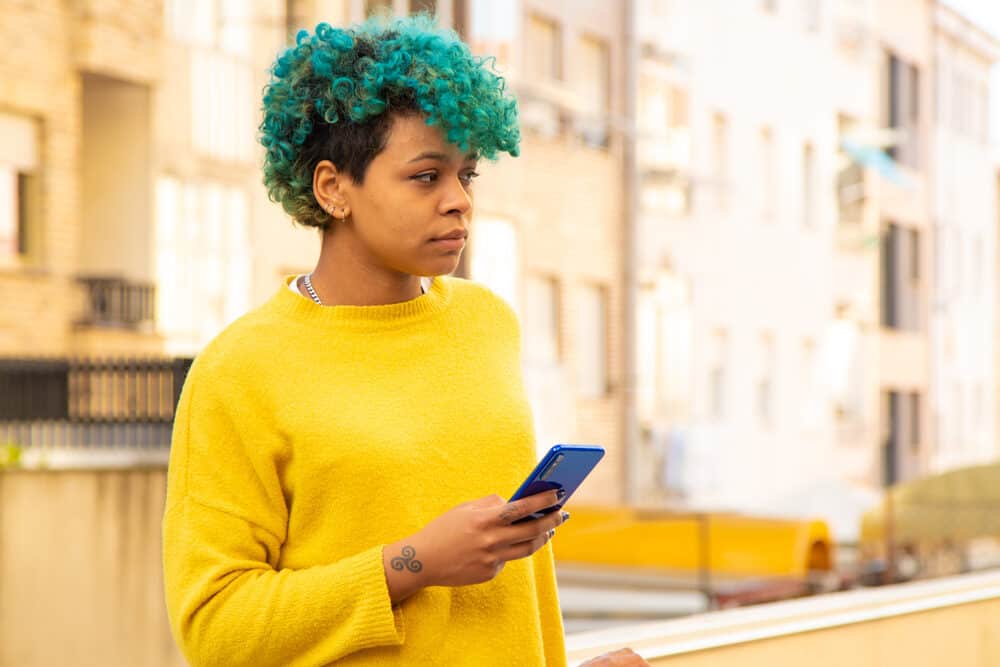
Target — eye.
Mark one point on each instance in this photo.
(469, 176)
(426, 177)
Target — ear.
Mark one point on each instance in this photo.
(331, 189)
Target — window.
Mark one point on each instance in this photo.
(219, 34)
(806, 390)
(381, 7)
(677, 116)
(850, 177)
(647, 350)
(978, 275)
(543, 61)
(765, 381)
(592, 333)
(981, 407)
(900, 278)
(429, 6)
(495, 29)
(460, 18)
(717, 363)
(812, 13)
(19, 187)
(915, 426)
(901, 434)
(768, 174)
(541, 319)
(889, 420)
(809, 186)
(495, 258)
(720, 159)
(983, 121)
(222, 114)
(958, 260)
(903, 110)
(224, 25)
(945, 91)
(539, 105)
(203, 261)
(594, 85)
(958, 432)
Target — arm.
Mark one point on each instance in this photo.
(228, 605)
(222, 534)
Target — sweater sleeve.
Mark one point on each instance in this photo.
(223, 530)
(553, 636)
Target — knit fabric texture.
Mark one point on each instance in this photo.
(306, 438)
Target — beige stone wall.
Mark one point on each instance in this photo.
(37, 80)
(80, 555)
(967, 635)
(949, 621)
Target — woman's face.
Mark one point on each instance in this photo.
(417, 191)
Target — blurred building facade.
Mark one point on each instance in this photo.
(758, 297)
(790, 174)
(964, 321)
(134, 219)
(809, 309)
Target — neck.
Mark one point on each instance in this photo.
(344, 276)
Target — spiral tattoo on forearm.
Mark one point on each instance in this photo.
(407, 561)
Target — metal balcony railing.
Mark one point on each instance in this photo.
(89, 402)
(117, 302)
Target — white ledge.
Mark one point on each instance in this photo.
(736, 626)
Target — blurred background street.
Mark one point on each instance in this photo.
(752, 245)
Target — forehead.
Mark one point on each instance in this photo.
(410, 135)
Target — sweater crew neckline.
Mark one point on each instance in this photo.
(392, 315)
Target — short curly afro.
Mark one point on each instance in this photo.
(333, 94)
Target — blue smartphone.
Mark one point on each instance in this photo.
(563, 467)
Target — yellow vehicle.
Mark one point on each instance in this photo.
(936, 525)
(735, 559)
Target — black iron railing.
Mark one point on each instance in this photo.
(89, 402)
(117, 302)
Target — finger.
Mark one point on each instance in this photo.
(525, 549)
(529, 530)
(524, 507)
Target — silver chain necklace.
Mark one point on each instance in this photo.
(309, 288)
(315, 297)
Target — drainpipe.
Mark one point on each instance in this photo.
(630, 215)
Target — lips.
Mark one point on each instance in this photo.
(453, 235)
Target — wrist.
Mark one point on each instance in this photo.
(405, 568)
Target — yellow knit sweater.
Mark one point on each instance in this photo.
(308, 437)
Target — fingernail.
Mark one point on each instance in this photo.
(560, 494)
(565, 516)
(552, 532)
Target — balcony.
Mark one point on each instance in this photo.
(118, 303)
(63, 412)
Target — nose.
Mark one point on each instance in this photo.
(457, 200)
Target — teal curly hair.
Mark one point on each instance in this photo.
(333, 94)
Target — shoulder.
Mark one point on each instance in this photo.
(240, 348)
(477, 296)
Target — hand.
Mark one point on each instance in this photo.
(469, 544)
(625, 657)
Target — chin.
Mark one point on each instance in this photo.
(442, 267)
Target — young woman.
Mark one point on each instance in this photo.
(338, 451)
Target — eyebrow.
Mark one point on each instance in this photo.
(441, 157)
